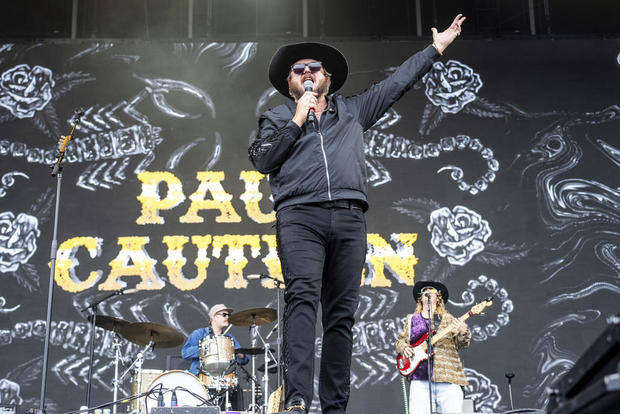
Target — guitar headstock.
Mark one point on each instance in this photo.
(476, 309)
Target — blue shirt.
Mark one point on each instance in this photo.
(191, 349)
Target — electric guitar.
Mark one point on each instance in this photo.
(407, 365)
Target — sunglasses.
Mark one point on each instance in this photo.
(299, 68)
(225, 314)
(429, 290)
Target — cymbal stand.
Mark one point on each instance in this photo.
(93, 309)
(117, 356)
(253, 332)
(279, 323)
(137, 362)
(268, 354)
(266, 378)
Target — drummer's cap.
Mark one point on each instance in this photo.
(218, 308)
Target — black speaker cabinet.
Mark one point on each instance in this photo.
(186, 410)
(593, 384)
(600, 359)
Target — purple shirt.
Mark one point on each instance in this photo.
(419, 326)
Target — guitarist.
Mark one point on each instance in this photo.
(446, 369)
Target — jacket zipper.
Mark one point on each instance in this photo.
(329, 185)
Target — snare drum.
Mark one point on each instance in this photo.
(216, 353)
(144, 378)
(189, 390)
(218, 382)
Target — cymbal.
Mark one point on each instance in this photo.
(259, 316)
(250, 351)
(142, 332)
(273, 368)
(109, 323)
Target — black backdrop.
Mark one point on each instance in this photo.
(497, 174)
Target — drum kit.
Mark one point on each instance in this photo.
(217, 377)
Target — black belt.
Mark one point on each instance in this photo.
(341, 204)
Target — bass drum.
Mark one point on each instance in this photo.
(189, 390)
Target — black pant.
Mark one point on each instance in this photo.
(322, 250)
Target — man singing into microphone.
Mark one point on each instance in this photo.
(312, 147)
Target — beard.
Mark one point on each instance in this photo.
(297, 91)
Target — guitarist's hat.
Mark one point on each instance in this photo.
(420, 286)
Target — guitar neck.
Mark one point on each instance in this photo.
(439, 335)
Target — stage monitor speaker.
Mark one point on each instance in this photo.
(600, 359)
(186, 410)
(602, 396)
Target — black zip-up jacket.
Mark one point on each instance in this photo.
(323, 163)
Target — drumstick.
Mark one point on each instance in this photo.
(227, 329)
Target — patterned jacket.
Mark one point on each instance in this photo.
(447, 365)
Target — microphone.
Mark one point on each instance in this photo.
(255, 277)
(275, 328)
(78, 113)
(308, 86)
(128, 291)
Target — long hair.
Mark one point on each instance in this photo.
(439, 309)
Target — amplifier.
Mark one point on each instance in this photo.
(600, 359)
(7, 409)
(602, 396)
(186, 410)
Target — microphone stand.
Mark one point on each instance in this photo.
(56, 172)
(429, 351)
(93, 321)
(510, 376)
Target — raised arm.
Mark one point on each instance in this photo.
(442, 40)
(377, 99)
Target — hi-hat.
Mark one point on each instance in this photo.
(143, 332)
(249, 317)
(250, 351)
(109, 323)
(273, 368)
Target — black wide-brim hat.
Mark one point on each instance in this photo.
(333, 61)
(417, 289)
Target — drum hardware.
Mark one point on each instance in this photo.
(252, 318)
(116, 345)
(143, 333)
(140, 381)
(279, 285)
(137, 362)
(250, 351)
(149, 335)
(188, 388)
(272, 369)
(111, 323)
(92, 308)
(216, 354)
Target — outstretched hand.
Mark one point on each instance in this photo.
(442, 40)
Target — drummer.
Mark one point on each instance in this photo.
(219, 322)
